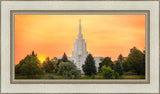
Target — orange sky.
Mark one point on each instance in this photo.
(52, 35)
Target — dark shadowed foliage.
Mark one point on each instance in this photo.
(118, 68)
(136, 61)
(49, 65)
(89, 67)
(107, 62)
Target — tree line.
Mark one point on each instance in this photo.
(133, 63)
(30, 66)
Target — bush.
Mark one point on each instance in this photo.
(116, 75)
(105, 62)
(68, 70)
(107, 72)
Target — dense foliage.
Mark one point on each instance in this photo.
(89, 67)
(120, 58)
(29, 66)
(68, 70)
(107, 62)
(118, 68)
(63, 59)
(135, 62)
(49, 66)
(107, 72)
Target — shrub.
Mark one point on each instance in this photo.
(68, 70)
(116, 75)
(107, 72)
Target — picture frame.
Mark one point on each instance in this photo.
(10, 8)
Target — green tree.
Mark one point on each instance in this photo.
(107, 62)
(120, 58)
(55, 59)
(118, 68)
(64, 58)
(89, 67)
(49, 65)
(135, 60)
(68, 70)
(142, 66)
(126, 66)
(29, 66)
(107, 72)
(17, 69)
(33, 54)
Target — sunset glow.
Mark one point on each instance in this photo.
(41, 58)
(52, 35)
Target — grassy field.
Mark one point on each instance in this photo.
(53, 76)
(133, 77)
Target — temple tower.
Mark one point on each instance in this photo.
(79, 53)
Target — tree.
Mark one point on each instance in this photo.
(17, 69)
(33, 54)
(68, 70)
(55, 59)
(29, 66)
(49, 65)
(135, 59)
(142, 66)
(126, 66)
(107, 62)
(64, 58)
(107, 72)
(89, 67)
(120, 58)
(118, 68)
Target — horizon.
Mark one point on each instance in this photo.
(46, 35)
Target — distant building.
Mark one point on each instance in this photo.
(80, 52)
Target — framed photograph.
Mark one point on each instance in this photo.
(50, 46)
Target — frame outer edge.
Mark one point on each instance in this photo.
(71, 0)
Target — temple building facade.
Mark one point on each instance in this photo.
(80, 52)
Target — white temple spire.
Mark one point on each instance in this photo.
(79, 53)
(79, 21)
(80, 30)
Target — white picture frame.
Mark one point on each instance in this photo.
(8, 6)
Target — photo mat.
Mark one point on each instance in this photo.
(77, 21)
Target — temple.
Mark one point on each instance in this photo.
(80, 52)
